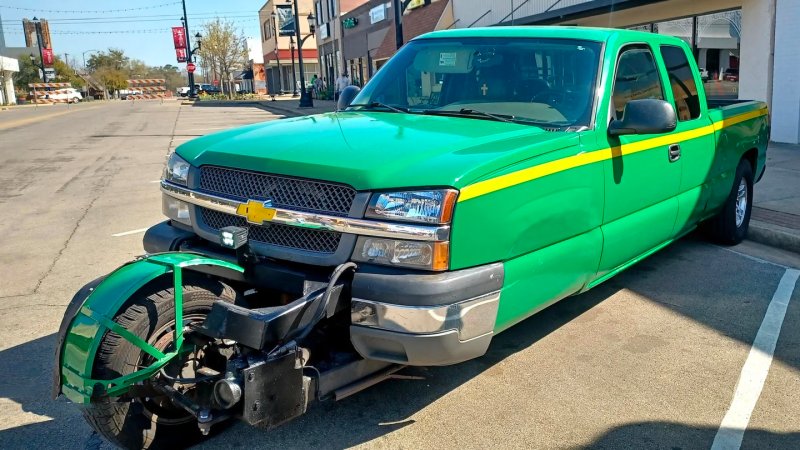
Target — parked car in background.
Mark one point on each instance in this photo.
(703, 74)
(71, 95)
(208, 89)
(183, 91)
(124, 93)
(731, 75)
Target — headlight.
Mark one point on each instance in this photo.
(415, 254)
(432, 206)
(175, 209)
(177, 170)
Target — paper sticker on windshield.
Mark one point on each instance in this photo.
(447, 59)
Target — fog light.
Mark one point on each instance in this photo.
(176, 210)
(232, 237)
(416, 254)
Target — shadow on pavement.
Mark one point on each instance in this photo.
(26, 378)
(680, 436)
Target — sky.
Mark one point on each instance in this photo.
(141, 28)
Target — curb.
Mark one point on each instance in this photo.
(774, 235)
(22, 106)
(287, 111)
(291, 112)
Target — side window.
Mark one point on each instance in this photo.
(681, 79)
(636, 78)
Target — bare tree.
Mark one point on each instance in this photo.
(224, 49)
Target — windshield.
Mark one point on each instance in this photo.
(544, 82)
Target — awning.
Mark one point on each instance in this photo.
(285, 55)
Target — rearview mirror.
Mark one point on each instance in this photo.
(346, 97)
(645, 116)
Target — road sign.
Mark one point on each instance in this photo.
(190, 67)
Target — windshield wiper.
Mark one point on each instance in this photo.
(498, 117)
(382, 105)
(472, 112)
(477, 112)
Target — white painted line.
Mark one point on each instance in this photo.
(155, 181)
(756, 367)
(127, 233)
(753, 258)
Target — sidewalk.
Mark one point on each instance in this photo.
(289, 106)
(775, 219)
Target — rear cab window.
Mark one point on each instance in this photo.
(682, 82)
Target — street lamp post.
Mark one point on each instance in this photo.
(305, 98)
(294, 73)
(84, 57)
(277, 51)
(192, 92)
(190, 54)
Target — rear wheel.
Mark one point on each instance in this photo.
(729, 227)
(150, 422)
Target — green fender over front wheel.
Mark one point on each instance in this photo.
(92, 313)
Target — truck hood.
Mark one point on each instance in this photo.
(377, 150)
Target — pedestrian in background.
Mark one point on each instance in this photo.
(313, 85)
(318, 85)
(342, 82)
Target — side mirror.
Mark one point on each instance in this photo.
(645, 116)
(346, 97)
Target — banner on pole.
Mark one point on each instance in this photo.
(179, 37)
(285, 20)
(181, 54)
(47, 56)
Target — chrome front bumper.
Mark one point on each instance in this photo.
(425, 320)
(471, 318)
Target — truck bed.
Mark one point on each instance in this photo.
(723, 102)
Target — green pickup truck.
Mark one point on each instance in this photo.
(481, 176)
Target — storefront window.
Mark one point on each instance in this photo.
(716, 50)
(718, 45)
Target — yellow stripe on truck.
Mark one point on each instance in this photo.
(582, 159)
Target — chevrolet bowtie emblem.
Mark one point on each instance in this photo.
(256, 212)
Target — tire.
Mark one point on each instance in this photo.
(136, 424)
(729, 227)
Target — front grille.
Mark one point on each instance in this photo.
(318, 241)
(284, 192)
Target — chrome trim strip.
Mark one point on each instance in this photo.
(316, 221)
(472, 318)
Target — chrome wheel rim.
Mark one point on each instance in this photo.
(741, 203)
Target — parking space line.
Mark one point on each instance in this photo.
(753, 258)
(127, 233)
(756, 367)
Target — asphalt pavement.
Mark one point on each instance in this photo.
(653, 358)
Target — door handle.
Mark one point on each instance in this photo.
(674, 152)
